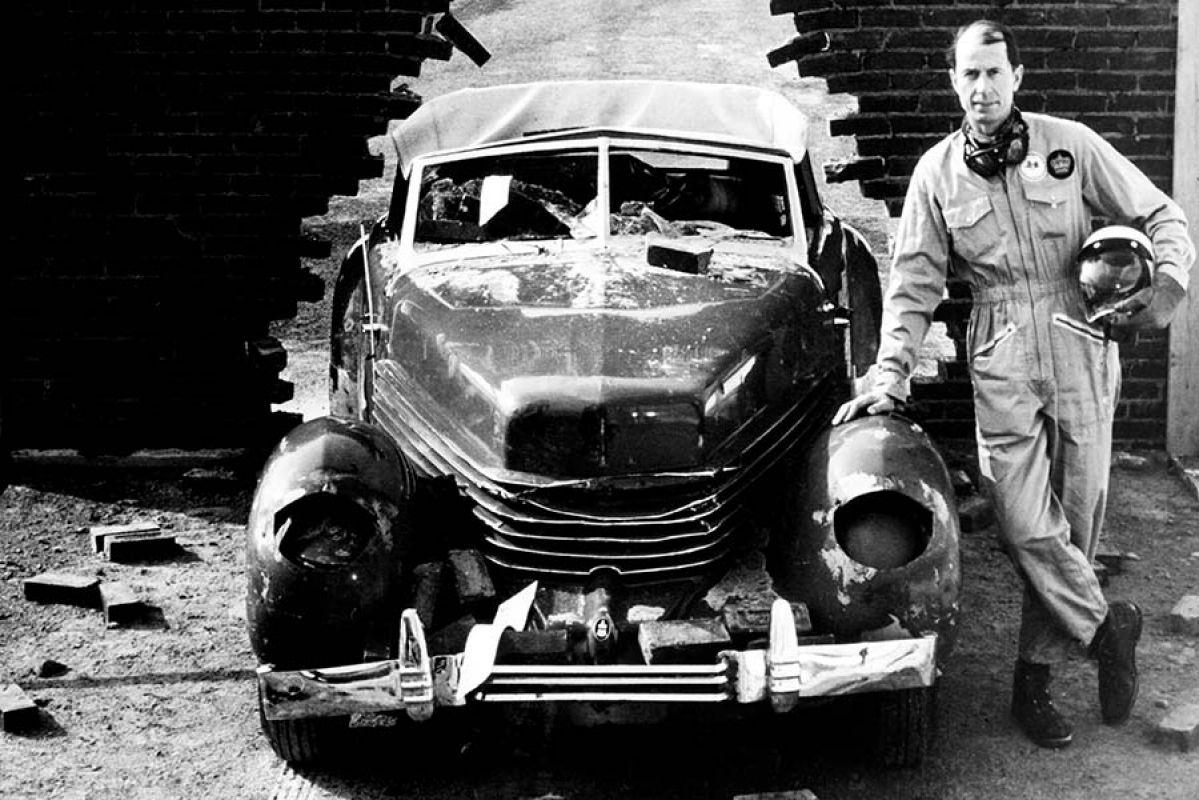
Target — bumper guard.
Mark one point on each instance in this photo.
(417, 684)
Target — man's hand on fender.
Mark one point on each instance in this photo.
(875, 401)
(1167, 294)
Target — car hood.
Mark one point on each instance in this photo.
(591, 361)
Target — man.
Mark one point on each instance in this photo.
(1005, 204)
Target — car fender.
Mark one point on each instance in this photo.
(882, 465)
(357, 472)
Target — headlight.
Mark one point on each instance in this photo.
(883, 530)
(323, 531)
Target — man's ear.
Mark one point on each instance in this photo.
(1018, 72)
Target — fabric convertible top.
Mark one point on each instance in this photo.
(476, 117)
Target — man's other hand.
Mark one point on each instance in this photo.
(1167, 294)
(875, 401)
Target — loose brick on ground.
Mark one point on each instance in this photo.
(975, 513)
(100, 532)
(140, 546)
(1180, 727)
(120, 604)
(1111, 558)
(17, 711)
(1184, 617)
(63, 587)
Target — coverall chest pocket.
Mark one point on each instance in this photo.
(1050, 215)
(973, 229)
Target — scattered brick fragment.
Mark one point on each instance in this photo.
(1110, 558)
(975, 513)
(63, 587)
(679, 641)
(17, 712)
(471, 576)
(101, 532)
(51, 669)
(682, 255)
(1184, 617)
(120, 604)
(1180, 727)
(1130, 462)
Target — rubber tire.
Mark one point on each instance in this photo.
(303, 741)
(904, 726)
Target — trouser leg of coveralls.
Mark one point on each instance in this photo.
(1063, 602)
(1079, 470)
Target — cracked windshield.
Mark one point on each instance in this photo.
(539, 196)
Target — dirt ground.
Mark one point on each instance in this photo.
(166, 708)
(163, 708)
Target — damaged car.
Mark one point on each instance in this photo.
(579, 453)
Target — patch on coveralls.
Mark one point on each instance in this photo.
(1032, 168)
(1061, 164)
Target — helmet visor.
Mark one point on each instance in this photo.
(1109, 278)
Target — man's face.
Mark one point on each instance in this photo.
(985, 82)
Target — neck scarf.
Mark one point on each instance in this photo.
(1007, 147)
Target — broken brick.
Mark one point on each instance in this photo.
(64, 588)
(743, 617)
(100, 532)
(1184, 617)
(17, 711)
(51, 669)
(975, 513)
(120, 604)
(681, 255)
(681, 641)
(140, 547)
(471, 577)
(1112, 559)
(1180, 727)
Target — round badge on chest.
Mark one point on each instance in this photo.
(1032, 168)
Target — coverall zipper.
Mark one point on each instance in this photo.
(1024, 268)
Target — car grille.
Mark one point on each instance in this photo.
(649, 528)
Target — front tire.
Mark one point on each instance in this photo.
(303, 741)
(904, 726)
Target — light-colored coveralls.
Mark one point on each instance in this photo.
(1045, 381)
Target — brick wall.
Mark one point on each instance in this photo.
(165, 154)
(1109, 64)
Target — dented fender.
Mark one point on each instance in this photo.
(294, 608)
(888, 467)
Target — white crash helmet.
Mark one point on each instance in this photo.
(1114, 264)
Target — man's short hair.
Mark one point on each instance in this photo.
(990, 32)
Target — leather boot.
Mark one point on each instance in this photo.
(1115, 648)
(1033, 709)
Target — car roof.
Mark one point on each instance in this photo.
(471, 118)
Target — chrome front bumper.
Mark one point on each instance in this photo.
(417, 684)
